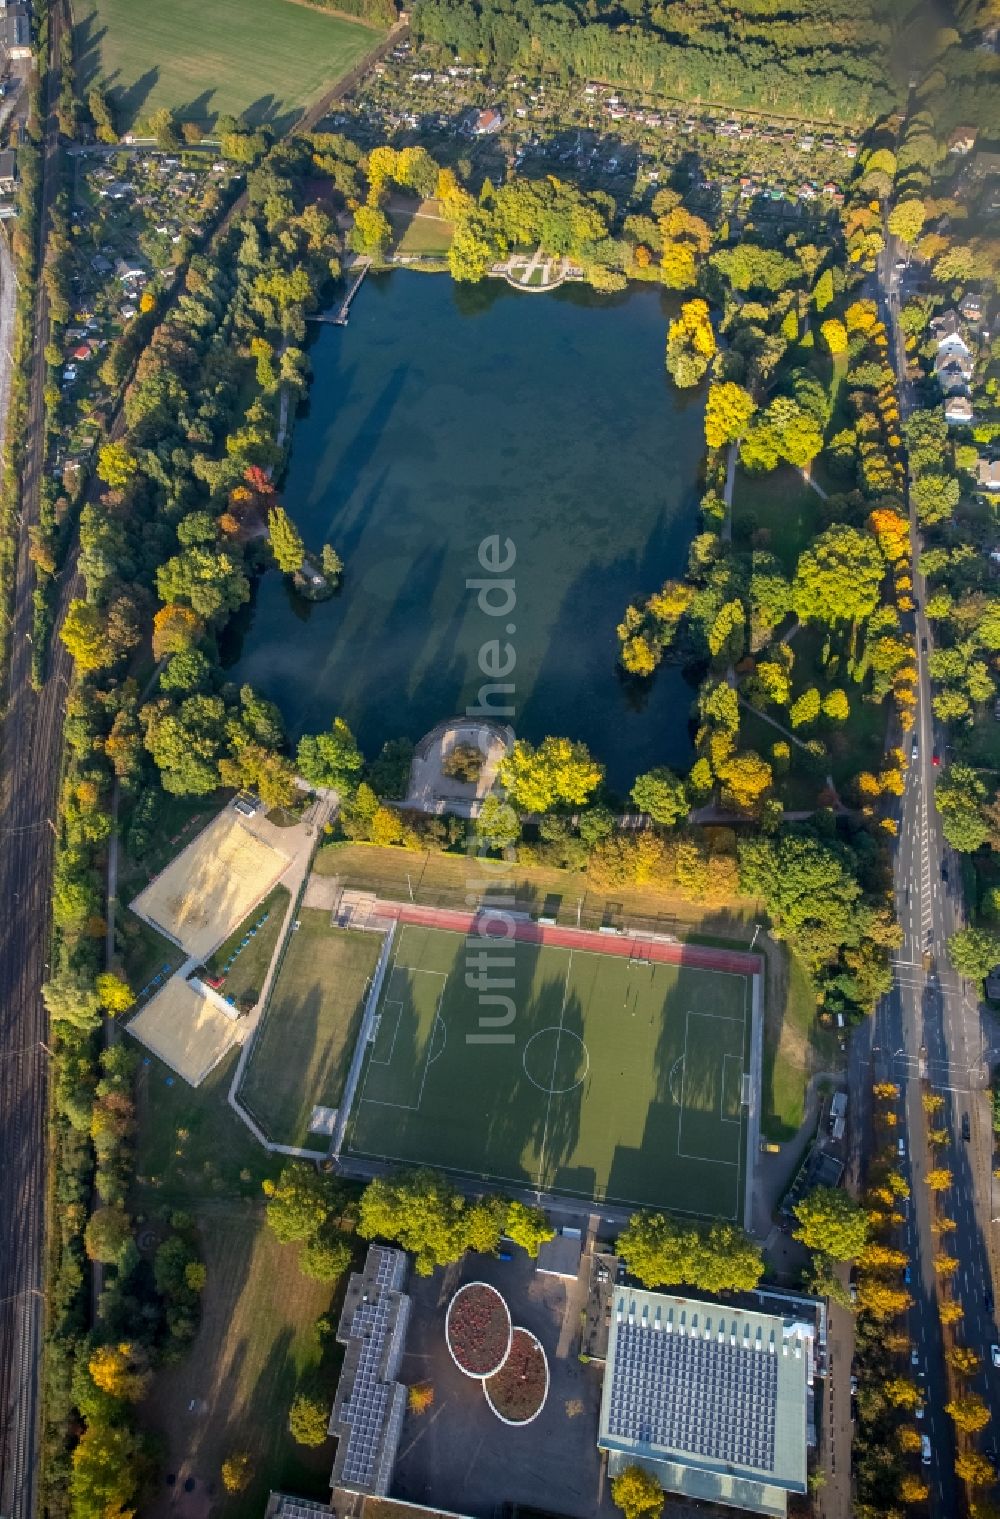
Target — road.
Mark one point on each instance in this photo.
(28, 757)
(929, 1032)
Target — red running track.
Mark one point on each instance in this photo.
(526, 931)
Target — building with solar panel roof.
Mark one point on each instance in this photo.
(368, 1411)
(711, 1400)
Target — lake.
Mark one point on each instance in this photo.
(439, 417)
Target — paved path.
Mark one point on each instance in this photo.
(807, 477)
(727, 495)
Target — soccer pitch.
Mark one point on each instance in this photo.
(623, 1082)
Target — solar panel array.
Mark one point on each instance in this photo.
(300, 1508)
(713, 1395)
(364, 1411)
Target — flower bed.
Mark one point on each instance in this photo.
(517, 1392)
(478, 1330)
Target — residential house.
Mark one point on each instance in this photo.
(952, 348)
(971, 307)
(487, 122)
(962, 140)
(988, 475)
(8, 172)
(985, 166)
(958, 411)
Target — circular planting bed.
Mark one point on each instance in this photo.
(517, 1392)
(477, 1329)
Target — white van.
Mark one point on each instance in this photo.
(925, 1451)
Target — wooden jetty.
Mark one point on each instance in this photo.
(339, 317)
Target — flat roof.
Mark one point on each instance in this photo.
(711, 1398)
(367, 1415)
(185, 1029)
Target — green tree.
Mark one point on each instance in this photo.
(108, 1231)
(637, 1493)
(85, 634)
(117, 465)
(211, 580)
(662, 794)
(299, 1203)
(115, 994)
(325, 1258)
(823, 290)
(497, 823)
(662, 1252)
(370, 233)
(70, 1000)
(958, 796)
(906, 220)
(838, 579)
(974, 952)
(527, 1227)
(286, 540)
(331, 759)
(832, 1223)
(420, 1210)
(308, 1419)
(109, 1464)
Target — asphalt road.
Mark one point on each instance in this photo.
(29, 749)
(929, 1033)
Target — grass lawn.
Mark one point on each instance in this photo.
(612, 1080)
(266, 58)
(257, 1345)
(779, 504)
(145, 952)
(176, 821)
(190, 1143)
(245, 979)
(443, 880)
(304, 1048)
(422, 230)
(980, 745)
(794, 1044)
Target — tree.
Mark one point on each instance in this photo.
(420, 1397)
(964, 1360)
(969, 1413)
(72, 1001)
(176, 629)
(745, 777)
(331, 759)
(308, 1419)
(497, 824)
(823, 290)
(84, 632)
(831, 1222)
(690, 344)
(420, 1210)
(527, 1227)
(237, 1470)
(663, 1252)
(286, 541)
(325, 1259)
(913, 1489)
(950, 1312)
(637, 1493)
(108, 1469)
(902, 1393)
(108, 1231)
(370, 233)
(115, 993)
(211, 580)
(974, 952)
(122, 1370)
(906, 220)
(839, 577)
(662, 795)
(299, 1203)
(974, 1469)
(117, 465)
(727, 411)
(939, 1179)
(834, 335)
(558, 771)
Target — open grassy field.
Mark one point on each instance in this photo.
(257, 1345)
(265, 59)
(420, 229)
(795, 1046)
(781, 505)
(244, 980)
(613, 1080)
(302, 1052)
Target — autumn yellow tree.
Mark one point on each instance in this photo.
(950, 1311)
(887, 1091)
(932, 1102)
(420, 1397)
(913, 1489)
(909, 1438)
(880, 1300)
(237, 1471)
(964, 1360)
(902, 1393)
(175, 630)
(974, 1469)
(945, 1265)
(115, 993)
(939, 1179)
(122, 1370)
(969, 1413)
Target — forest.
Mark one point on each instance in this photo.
(787, 58)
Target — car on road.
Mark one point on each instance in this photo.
(995, 1354)
(907, 1277)
(854, 1386)
(944, 872)
(966, 1130)
(923, 644)
(988, 1299)
(914, 1356)
(914, 751)
(919, 1411)
(925, 1451)
(935, 758)
(901, 1148)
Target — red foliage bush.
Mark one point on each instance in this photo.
(478, 1329)
(517, 1391)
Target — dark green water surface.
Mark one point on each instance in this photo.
(439, 417)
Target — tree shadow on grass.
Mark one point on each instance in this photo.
(129, 100)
